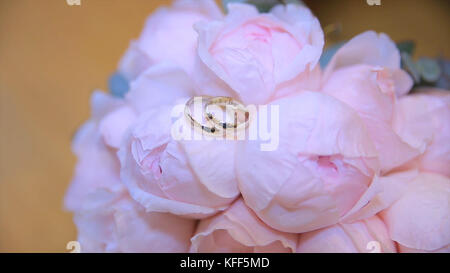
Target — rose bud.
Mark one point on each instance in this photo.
(419, 221)
(369, 235)
(365, 74)
(256, 57)
(238, 229)
(324, 163)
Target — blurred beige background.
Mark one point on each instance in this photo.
(52, 56)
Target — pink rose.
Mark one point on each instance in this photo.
(423, 120)
(324, 163)
(257, 57)
(365, 74)
(193, 178)
(369, 235)
(169, 36)
(238, 229)
(419, 221)
(107, 219)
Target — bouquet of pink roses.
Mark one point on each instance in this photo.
(351, 161)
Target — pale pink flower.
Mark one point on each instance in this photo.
(369, 235)
(324, 163)
(358, 162)
(419, 221)
(256, 57)
(238, 229)
(193, 178)
(365, 74)
(169, 36)
(107, 219)
(109, 222)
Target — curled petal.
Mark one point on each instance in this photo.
(382, 193)
(404, 249)
(375, 50)
(423, 120)
(367, 48)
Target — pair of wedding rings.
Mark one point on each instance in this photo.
(218, 126)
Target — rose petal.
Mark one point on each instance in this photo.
(420, 219)
(239, 230)
(360, 236)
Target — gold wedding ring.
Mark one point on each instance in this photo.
(187, 112)
(217, 127)
(227, 103)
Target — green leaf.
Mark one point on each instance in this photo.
(261, 5)
(444, 80)
(407, 46)
(429, 69)
(409, 65)
(118, 85)
(329, 52)
(226, 2)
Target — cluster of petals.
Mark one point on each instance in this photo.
(362, 163)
